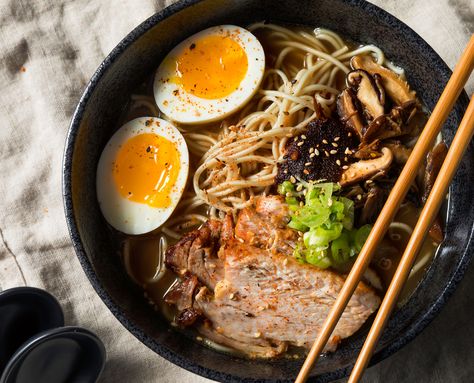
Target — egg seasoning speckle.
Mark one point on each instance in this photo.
(209, 75)
(141, 175)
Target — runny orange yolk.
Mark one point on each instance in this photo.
(146, 168)
(212, 67)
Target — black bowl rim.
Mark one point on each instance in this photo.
(88, 268)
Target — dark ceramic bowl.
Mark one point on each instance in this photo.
(135, 58)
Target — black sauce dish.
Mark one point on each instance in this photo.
(134, 59)
(36, 347)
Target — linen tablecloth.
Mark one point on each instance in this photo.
(49, 49)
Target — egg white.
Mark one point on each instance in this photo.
(128, 216)
(186, 108)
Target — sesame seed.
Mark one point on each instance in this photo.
(333, 151)
(349, 134)
(303, 137)
(299, 187)
(345, 159)
(359, 196)
(288, 194)
(306, 171)
(311, 150)
(316, 151)
(285, 171)
(347, 151)
(300, 143)
(312, 155)
(301, 203)
(337, 138)
(326, 153)
(338, 162)
(334, 144)
(307, 164)
(325, 142)
(345, 167)
(292, 179)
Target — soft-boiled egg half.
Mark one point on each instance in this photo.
(141, 175)
(209, 75)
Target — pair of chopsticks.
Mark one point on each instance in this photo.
(460, 142)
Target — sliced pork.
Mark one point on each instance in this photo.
(258, 299)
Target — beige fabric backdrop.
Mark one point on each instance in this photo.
(49, 50)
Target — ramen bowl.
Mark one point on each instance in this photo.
(96, 118)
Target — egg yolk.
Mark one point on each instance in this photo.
(146, 168)
(212, 67)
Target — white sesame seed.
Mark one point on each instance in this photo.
(326, 153)
(334, 144)
(299, 187)
(307, 164)
(333, 151)
(345, 167)
(338, 162)
(312, 155)
(345, 159)
(325, 142)
(300, 143)
(316, 151)
(359, 197)
(347, 151)
(311, 150)
(303, 137)
(292, 179)
(349, 134)
(337, 139)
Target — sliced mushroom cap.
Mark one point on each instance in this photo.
(381, 128)
(362, 170)
(396, 88)
(347, 110)
(434, 161)
(373, 205)
(367, 92)
(367, 151)
(400, 151)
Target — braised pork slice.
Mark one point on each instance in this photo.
(259, 299)
(264, 226)
(197, 252)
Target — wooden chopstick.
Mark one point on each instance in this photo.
(425, 141)
(428, 214)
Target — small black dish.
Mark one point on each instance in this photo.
(61, 355)
(25, 312)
